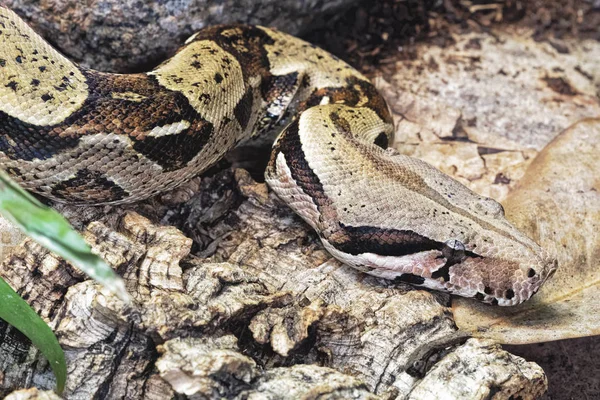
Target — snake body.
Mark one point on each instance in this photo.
(81, 136)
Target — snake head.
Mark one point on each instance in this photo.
(399, 218)
(485, 256)
(417, 225)
(475, 251)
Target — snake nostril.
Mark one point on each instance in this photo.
(531, 273)
(509, 294)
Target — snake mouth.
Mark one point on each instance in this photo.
(549, 266)
(509, 298)
(533, 282)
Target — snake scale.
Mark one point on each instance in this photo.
(81, 136)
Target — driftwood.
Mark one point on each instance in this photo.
(255, 307)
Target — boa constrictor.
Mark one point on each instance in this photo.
(81, 136)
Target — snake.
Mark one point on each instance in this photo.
(80, 136)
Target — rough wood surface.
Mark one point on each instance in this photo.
(32, 394)
(9, 237)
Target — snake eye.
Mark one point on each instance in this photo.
(454, 251)
(455, 244)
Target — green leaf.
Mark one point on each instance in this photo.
(15, 311)
(51, 230)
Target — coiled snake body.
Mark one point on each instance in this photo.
(82, 136)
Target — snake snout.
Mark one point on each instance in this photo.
(549, 266)
(533, 277)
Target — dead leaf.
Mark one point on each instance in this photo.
(558, 204)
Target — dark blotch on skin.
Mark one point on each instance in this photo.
(454, 252)
(410, 278)
(273, 87)
(381, 140)
(2, 62)
(12, 85)
(62, 87)
(385, 242)
(174, 151)
(443, 272)
(35, 82)
(47, 97)
(16, 140)
(341, 124)
(218, 78)
(480, 296)
(247, 46)
(205, 98)
(350, 96)
(453, 257)
(86, 183)
(243, 109)
(289, 144)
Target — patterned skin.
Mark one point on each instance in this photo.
(86, 137)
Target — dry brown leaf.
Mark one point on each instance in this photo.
(558, 204)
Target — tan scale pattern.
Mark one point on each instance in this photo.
(131, 96)
(209, 77)
(289, 54)
(37, 84)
